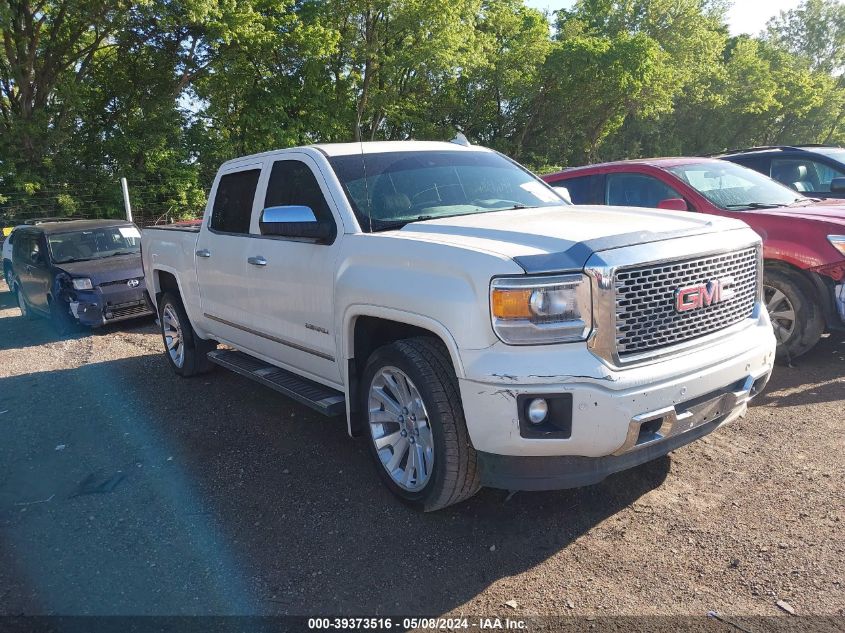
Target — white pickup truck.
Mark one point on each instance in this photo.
(474, 327)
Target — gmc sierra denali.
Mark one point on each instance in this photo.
(473, 326)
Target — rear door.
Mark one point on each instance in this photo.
(291, 280)
(220, 255)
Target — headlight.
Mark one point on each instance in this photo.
(83, 283)
(535, 310)
(838, 242)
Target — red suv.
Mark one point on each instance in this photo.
(803, 238)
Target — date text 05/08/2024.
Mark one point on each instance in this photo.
(439, 624)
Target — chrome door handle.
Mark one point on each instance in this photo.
(204, 252)
(258, 260)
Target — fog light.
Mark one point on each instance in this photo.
(538, 410)
(109, 315)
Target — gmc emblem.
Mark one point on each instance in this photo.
(703, 295)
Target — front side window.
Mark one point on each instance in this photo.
(637, 190)
(733, 187)
(25, 247)
(403, 187)
(78, 246)
(232, 208)
(802, 174)
(293, 183)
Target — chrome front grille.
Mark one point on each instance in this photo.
(646, 314)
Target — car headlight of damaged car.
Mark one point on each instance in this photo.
(82, 283)
(538, 310)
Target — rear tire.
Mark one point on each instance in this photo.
(420, 418)
(797, 320)
(186, 352)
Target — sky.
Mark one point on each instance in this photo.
(746, 16)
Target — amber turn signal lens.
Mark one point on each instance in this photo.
(511, 303)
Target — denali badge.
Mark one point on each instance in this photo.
(133, 283)
(703, 295)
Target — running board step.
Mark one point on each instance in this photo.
(324, 399)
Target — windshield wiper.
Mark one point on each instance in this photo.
(799, 200)
(753, 205)
(386, 225)
(116, 255)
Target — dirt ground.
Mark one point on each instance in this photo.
(126, 490)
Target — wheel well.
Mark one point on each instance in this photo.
(166, 283)
(812, 283)
(370, 333)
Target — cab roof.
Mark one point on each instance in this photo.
(661, 163)
(370, 147)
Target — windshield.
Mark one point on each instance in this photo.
(78, 246)
(734, 187)
(403, 187)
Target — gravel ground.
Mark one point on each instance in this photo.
(126, 490)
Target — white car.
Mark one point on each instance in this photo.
(475, 328)
(7, 258)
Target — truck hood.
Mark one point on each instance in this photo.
(550, 239)
(105, 270)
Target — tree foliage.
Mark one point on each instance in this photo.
(162, 92)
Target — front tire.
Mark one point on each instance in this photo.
(797, 320)
(416, 428)
(186, 352)
(62, 322)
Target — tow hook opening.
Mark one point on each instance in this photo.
(650, 430)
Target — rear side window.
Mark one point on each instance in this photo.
(757, 163)
(637, 190)
(580, 189)
(232, 208)
(293, 183)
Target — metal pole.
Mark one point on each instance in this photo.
(125, 186)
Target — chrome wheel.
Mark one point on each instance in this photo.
(400, 429)
(173, 338)
(781, 312)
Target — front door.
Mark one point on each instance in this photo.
(221, 255)
(291, 281)
(31, 268)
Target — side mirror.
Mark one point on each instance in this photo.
(837, 185)
(673, 204)
(563, 192)
(294, 221)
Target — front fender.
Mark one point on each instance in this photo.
(346, 347)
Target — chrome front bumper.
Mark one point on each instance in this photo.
(655, 426)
